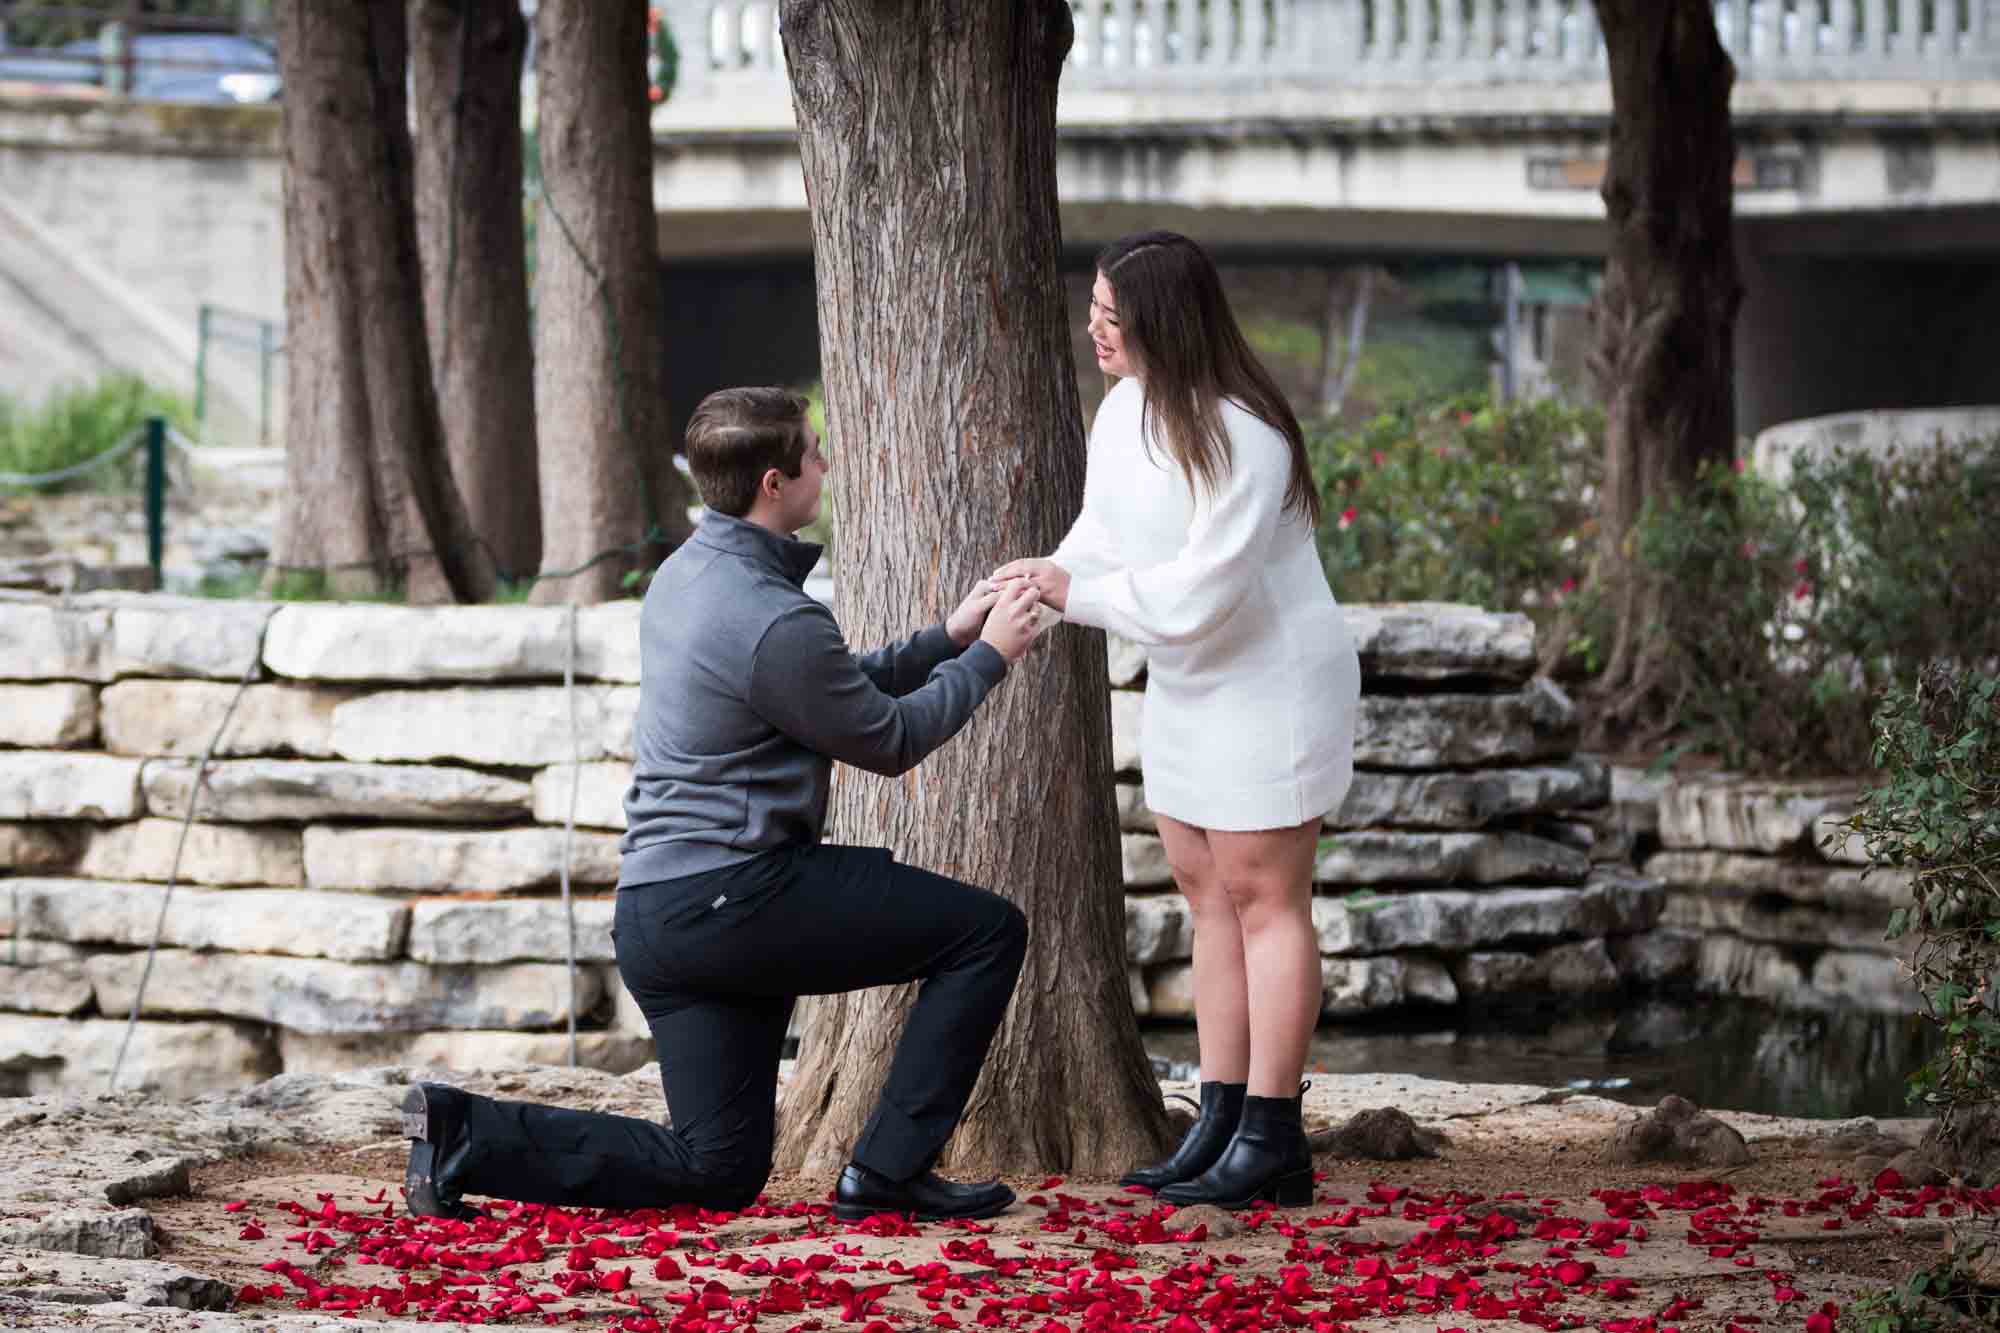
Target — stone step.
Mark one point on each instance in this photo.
(1871, 893)
(60, 784)
(422, 860)
(298, 790)
(1749, 815)
(317, 995)
(295, 922)
(173, 1060)
(220, 854)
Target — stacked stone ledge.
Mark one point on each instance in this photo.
(371, 877)
(368, 879)
(1776, 900)
(1477, 857)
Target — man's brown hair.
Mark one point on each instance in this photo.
(736, 436)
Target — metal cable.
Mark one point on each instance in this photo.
(187, 822)
(91, 464)
(569, 819)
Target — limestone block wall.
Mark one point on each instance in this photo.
(372, 872)
(1774, 901)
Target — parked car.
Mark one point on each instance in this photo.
(203, 67)
(44, 68)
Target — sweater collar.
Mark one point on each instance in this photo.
(784, 555)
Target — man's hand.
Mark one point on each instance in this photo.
(1046, 577)
(965, 623)
(1014, 621)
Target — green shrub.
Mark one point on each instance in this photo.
(1936, 814)
(1788, 610)
(80, 422)
(1467, 502)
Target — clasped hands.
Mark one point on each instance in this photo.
(1005, 608)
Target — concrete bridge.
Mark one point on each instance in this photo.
(1330, 126)
(1868, 175)
(1278, 131)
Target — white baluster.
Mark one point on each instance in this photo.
(1188, 25)
(1153, 49)
(1909, 28)
(1548, 28)
(1451, 32)
(1837, 43)
(1583, 52)
(687, 20)
(1285, 47)
(1417, 32)
(1520, 48)
(1948, 32)
(1221, 33)
(1484, 34)
(1758, 48)
(1256, 31)
(1874, 35)
(1121, 45)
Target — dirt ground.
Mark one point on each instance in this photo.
(1539, 1232)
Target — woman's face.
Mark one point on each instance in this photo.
(1105, 334)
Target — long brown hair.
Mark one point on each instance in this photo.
(1181, 334)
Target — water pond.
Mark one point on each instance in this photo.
(1718, 1052)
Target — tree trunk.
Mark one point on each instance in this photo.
(370, 495)
(927, 131)
(1665, 316)
(466, 68)
(611, 496)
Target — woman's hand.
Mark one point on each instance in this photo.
(965, 623)
(1014, 620)
(1046, 577)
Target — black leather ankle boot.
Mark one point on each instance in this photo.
(1267, 1160)
(1221, 1108)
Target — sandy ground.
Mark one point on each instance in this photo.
(1518, 1221)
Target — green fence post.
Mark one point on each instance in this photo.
(156, 494)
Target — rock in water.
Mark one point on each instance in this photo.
(1678, 1131)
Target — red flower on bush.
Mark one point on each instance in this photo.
(1347, 517)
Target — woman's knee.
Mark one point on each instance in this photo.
(1260, 897)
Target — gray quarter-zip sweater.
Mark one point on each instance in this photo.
(748, 693)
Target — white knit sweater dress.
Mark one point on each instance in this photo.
(1251, 676)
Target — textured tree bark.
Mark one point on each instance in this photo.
(927, 130)
(1666, 314)
(607, 473)
(465, 58)
(370, 495)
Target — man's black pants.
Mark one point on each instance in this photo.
(715, 962)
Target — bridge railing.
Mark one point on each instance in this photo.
(1169, 45)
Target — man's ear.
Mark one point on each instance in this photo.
(771, 483)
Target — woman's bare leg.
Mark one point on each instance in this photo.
(1267, 878)
(1221, 1012)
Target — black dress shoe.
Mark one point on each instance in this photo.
(928, 1198)
(1268, 1161)
(1221, 1108)
(432, 1124)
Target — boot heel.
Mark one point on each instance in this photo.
(416, 1118)
(1292, 1191)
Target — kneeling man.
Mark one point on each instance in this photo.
(729, 905)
